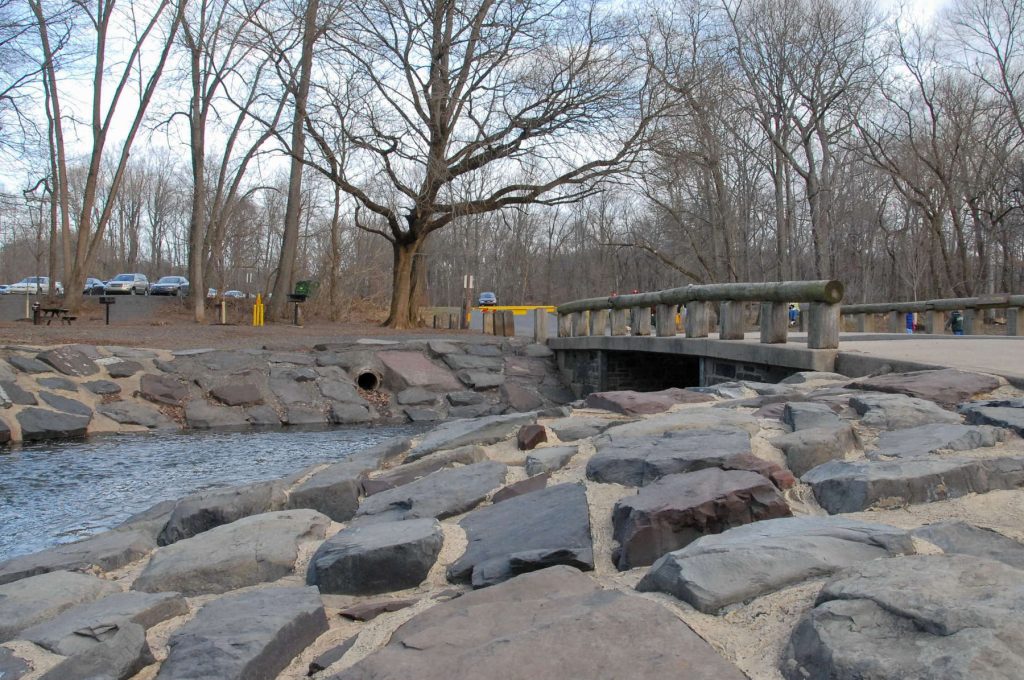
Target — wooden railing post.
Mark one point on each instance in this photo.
(599, 322)
(619, 323)
(894, 322)
(696, 324)
(540, 326)
(665, 318)
(565, 325)
(1013, 320)
(580, 324)
(823, 326)
(640, 320)
(861, 322)
(488, 323)
(774, 322)
(731, 324)
(969, 316)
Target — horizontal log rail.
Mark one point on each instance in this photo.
(932, 308)
(630, 314)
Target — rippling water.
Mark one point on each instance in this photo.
(59, 492)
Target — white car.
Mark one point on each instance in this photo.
(35, 285)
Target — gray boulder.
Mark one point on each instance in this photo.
(304, 415)
(343, 391)
(13, 666)
(102, 387)
(84, 626)
(378, 558)
(64, 404)
(545, 625)
(334, 491)
(689, 419)
(69, 361)
(202, 415)
(413, 369)
(807, 449)
(947, 386)
(290, 387)
(636, 461)
(549, 459)
(162, 389)
(803, 377)
(468, 362)
(1006, 413)
(579, 427)
(123, 369)
(28, 364)
(964, 539)
(349, 414)
(121, 651)
(678, 509)
(519, 398)
(925, 439)
(853, 486)
(416, 396)
(410, 472)
(482, 431)
(913, 618)
(805, 415)
(896, 411)
(475, 411)
(628, 402)
(244, 553)
(756, 559)
(248, 636)
(440, 494)
(39, 424)
(237, 394)
(537, 351)
(134, 413)
(262, 416)
(15, 394)
(31, 600)
(526, 533)
(107, 550)
(208, 509)
(58, 383)
(481, 380)
(416, 414)
(465, 398)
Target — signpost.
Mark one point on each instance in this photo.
(467, 302)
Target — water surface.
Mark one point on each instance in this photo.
(57, 492)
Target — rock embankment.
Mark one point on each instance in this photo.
(659, 536)
(76, 390)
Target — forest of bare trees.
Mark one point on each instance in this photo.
(554, 149)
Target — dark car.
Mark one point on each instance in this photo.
(488, 299)
(127, 284)
(170, 285)
(93, 286)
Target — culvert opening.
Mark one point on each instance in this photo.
(368, 380)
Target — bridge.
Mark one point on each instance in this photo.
(614, 343)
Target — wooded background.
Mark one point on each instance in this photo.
(554, 150)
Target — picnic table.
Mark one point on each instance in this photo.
(51, 313)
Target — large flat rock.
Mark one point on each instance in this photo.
(414, 369)
(134, 413)
(410, 472)
(65, 404)
(162, 389)
(927, 439)
(481, 431)
(246, 552)
(946, 386)
(842, 486)
(82, 627)
(809, 414)
(580, 427)
(756, 559)
(441, 494)
(31, 600)
(897, 411)
(628, 402)
(69, 361)
(526, 533)
(913, 618)
(249, 636)
(208, 509)
(806, 449)
(202, 415)
(549, 459)
(1007, 413)
(121, 651)
(964, 539)
(107, 551)
(636, 461)
(376, 558)
(38, 424)
(678, 509)
(549, 625)
(334, 491)
(690, 419)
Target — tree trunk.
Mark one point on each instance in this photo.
(290, 240)
(404, 285)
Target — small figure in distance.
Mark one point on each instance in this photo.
(794, 313)
(955, 322)
(910, 323)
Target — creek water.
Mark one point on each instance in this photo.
(58, 492)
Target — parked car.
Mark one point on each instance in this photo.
(235, 294)
(4, 289)
(93, 286)
(170, 285)
(488, 299)
(36, 285)
(211, 293)
(127, 284)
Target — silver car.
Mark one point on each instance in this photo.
(127, 284)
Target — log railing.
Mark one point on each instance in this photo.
(934, 310)
(630, 314)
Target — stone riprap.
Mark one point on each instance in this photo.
(1008, 413)
(82, 389)
(453, 553)
(629, 403)
(946, 387)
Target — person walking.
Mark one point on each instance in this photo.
(955, 322)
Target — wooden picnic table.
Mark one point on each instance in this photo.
(51, 313)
